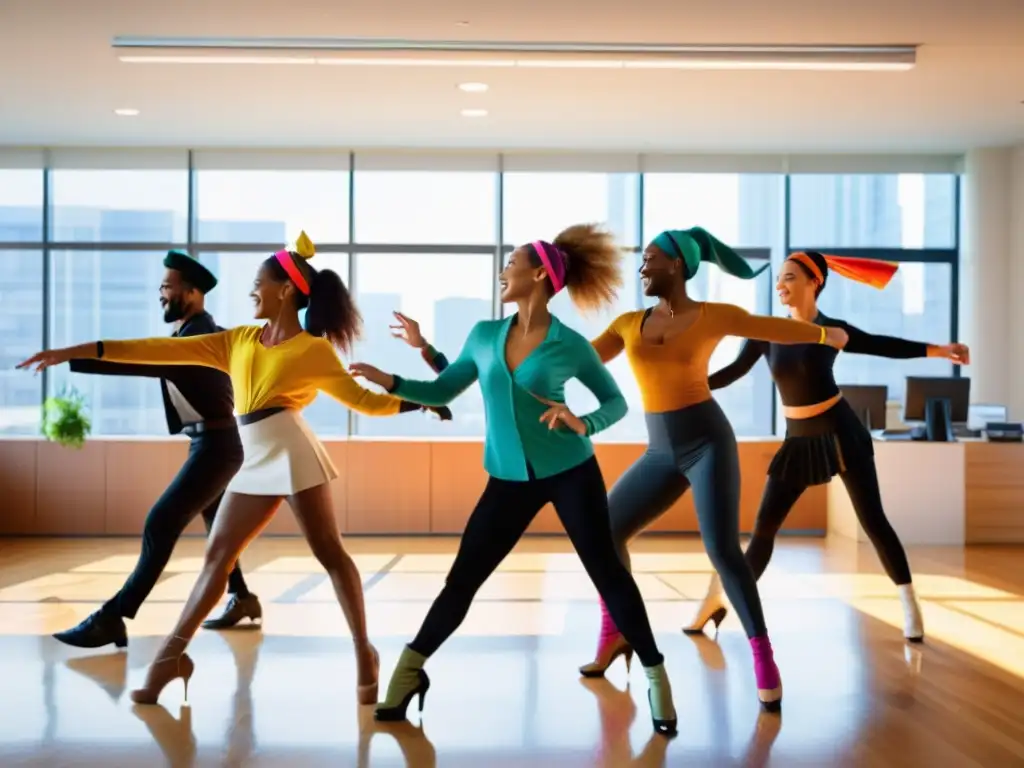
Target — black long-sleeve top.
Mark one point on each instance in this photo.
(803, 372)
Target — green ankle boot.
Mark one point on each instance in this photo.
(408, 680)
(659, 696)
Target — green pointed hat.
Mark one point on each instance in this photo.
(696, 244)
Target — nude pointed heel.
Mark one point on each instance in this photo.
(367, 694)
(711, 609)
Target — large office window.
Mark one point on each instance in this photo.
(447, 294)
(893, 217)
(440, 207)
(231, 305)
(539, 206)
(21, 205)
(118, 206)
(916, 305)
(742, 210)
(109, 295)
(272, 206)
(21, 335)
(910, 210)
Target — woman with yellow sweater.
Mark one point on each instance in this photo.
(276, 370)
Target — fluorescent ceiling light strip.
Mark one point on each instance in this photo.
(622, 50)
(639, 64)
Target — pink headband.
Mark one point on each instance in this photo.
(553, 259)
(294, 273)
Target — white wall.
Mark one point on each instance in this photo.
(992, 275)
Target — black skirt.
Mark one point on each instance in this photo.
(817, 449)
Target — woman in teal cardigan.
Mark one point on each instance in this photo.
(536, 450)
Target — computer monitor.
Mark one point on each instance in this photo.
(921, 389)
(868, 402)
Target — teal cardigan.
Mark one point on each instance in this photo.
(515, 434)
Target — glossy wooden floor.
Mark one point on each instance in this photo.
(505, 689)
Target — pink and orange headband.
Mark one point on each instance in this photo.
(554, 260)
(303, 247)
(873, 272)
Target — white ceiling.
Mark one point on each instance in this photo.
(60, 81)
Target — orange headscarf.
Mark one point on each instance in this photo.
(873, 272)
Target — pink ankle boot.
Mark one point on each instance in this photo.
(610, 646)
(769, 682)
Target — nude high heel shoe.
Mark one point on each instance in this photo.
(162, 672)
(367, 694)
(711, 609)
(610, 646)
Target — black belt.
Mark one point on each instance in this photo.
(197, 428)
(260, 415)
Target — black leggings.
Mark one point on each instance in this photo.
(692, 447)
(861, 481)
(213, 459)
(502, 515)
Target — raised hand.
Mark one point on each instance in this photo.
(408, 330)
(373, 375)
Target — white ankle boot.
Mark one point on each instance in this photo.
(913, 622)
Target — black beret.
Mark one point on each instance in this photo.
(191, 270)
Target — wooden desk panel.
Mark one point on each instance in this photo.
(389, 487)
(994, 497)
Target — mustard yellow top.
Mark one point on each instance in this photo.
(287, 375)
(674, 374)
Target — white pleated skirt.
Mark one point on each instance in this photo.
(282, 456)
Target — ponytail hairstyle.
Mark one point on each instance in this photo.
(817, 265)
(586, 260)
(330, 311)
(812, 264)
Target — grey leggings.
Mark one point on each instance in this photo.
(692, 447)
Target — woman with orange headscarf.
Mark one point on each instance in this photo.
(824, 437)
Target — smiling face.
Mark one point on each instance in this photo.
(795, 285)
(658, 273)
(520, 278)
(269, 291)
(176, 296)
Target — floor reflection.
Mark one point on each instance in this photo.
(505, 689)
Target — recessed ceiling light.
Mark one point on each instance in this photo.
(126, 112)
(473, 87)
(474, 113)
(461, 23)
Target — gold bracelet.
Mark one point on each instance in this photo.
(823, 335)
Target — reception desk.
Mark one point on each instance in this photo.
(966, 492)
(384, 486)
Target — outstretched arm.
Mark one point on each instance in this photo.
(212, 350)
(736, 321)
(452, 382)
(105, 368)
(749, 354)
(331, 377)
(862, 343)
